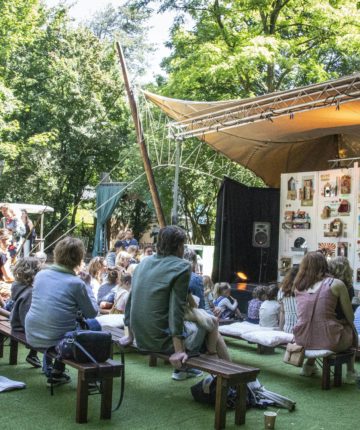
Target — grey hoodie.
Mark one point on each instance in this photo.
(21, 294)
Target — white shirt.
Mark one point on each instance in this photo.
(269, 314)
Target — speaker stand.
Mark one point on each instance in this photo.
(261, 264)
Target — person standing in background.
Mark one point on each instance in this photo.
(30, 233)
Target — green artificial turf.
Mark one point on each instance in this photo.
(154, 401)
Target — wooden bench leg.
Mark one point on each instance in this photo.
(261, 349)
(2, 340)
(220, 402)
(106, 398)
(326, 374)
(152, 361)
(337, 374)
(82, 399)
(13, 351)
(240, 407)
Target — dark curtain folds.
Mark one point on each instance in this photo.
(238, 207)
(107, 197)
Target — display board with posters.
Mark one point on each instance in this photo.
(320, 210)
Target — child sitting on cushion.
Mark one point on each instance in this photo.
(270, 309)
(122, 292)
(259, 295)
(226, 305)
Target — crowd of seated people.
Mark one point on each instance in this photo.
(46, 299)
(182, 308)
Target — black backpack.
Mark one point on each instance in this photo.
(205, 392)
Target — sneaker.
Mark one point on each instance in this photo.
(309, 370)
(181, 375)
(58, 379)
(351, 377)
(34, 361)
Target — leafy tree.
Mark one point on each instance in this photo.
(72, 120)
(19, 21)
(131, 212)
(128, 25)
(241, 48)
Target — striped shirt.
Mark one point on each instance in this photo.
(290, 312)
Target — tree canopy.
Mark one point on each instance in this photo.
(64, 118)
(241, 48)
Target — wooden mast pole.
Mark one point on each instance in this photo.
(141, 141)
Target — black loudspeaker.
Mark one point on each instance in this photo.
(261, 234)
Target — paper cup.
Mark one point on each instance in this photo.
(269, 420)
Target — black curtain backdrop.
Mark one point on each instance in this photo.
(238, 206)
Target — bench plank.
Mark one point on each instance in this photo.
(228, 374)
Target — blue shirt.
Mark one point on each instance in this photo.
(127, 243)
(357, 320)
(196, 288)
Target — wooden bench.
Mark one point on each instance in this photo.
(87, 372)
(326, 363)
(228, 375)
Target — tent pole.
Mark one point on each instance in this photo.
(42, 233)
(222, 233)
(141, 141)
(174, 211)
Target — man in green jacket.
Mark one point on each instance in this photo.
(156, 306)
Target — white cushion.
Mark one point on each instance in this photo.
(111, 321)
(268, 337)
(317, 353)
(239, 329)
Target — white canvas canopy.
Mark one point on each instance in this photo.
(289, 131)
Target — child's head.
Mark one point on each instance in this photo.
(26, 269)
(97, 266)
(272, 292)
(125, 280)
(222, 289)
(208, 284)
(112, 275)
(340, 268)
(132, 250)
(259, 293)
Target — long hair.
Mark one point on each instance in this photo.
(313, 268)
(287, 285)
(208, 284)
(339, 268)
(95, 266)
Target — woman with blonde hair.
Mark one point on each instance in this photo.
(97, 267)
(123, 260)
